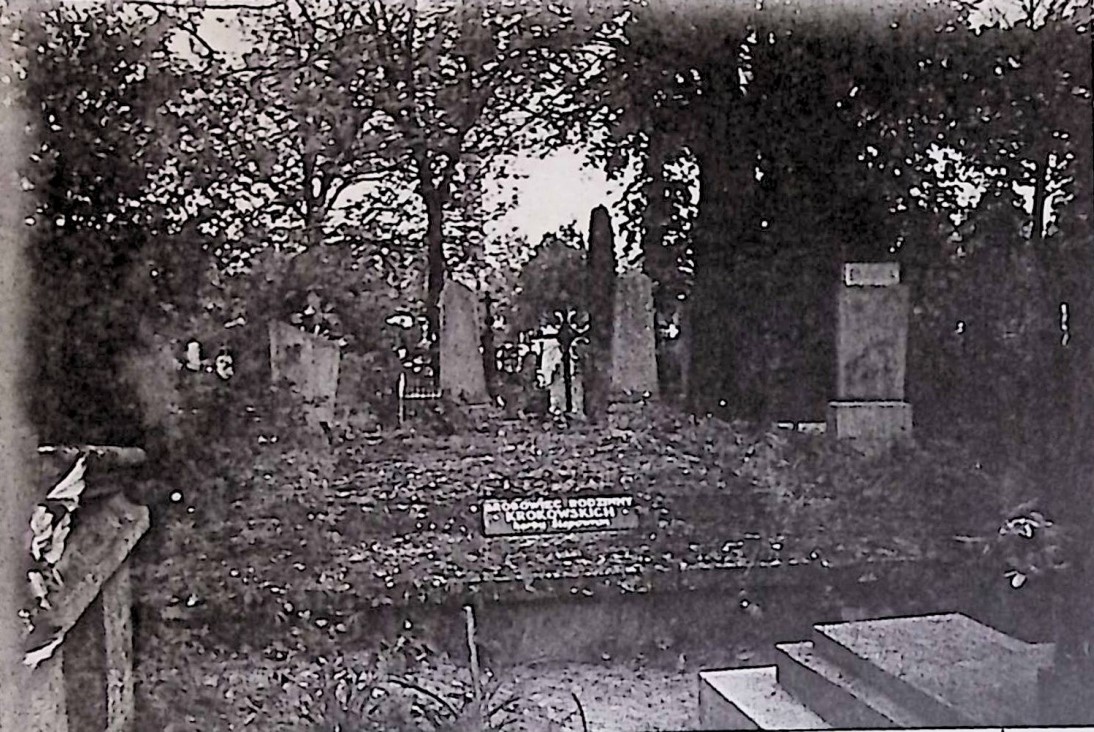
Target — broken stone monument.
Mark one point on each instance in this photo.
(310, 363)
(463, 378)
(634, 343)
(871, 348)
(87, 681)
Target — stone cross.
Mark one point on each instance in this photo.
(462, 378)
(558, 363)
(634, 345)
(871, 348)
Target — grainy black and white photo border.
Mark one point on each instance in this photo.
(546, 365)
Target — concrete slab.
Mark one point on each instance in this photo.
(947, 669)
(750, 698)
(839, 697)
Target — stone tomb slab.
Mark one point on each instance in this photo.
(562, 515)
(948, 669)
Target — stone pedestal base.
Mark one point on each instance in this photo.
(874, 421)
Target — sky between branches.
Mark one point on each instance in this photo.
(561, 188)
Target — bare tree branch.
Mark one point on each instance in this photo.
(202, 5)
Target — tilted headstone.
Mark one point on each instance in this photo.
(462, 375)
(310, 363)
(871, 350)
(634, 345)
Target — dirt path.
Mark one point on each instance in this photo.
(614, 698)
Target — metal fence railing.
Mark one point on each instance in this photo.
(413, 388)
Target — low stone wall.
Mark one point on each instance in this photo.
(707, 615)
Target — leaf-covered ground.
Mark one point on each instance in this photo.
(242, 692)
(395, 520)
(255, 576)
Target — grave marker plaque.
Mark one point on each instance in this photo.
(563, 515)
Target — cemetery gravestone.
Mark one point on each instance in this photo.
(871, 347)
(634, 345)
(462, 375)
(310, 363)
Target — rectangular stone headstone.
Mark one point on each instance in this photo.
(463, 378)
(872, 341)
(634, 344)
(310, 363)
(524, 516)
(871, 356)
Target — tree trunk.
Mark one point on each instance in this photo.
(435, 270)
(601, 314)
(1040, 197)
(658, 262)
(489, 354)
(716, 305)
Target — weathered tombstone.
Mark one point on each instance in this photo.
(462, 375)
(634, 341)
(871, 343)
(310, 363)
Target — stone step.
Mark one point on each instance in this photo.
(750, 698)
(948, 670)
(838, 697)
